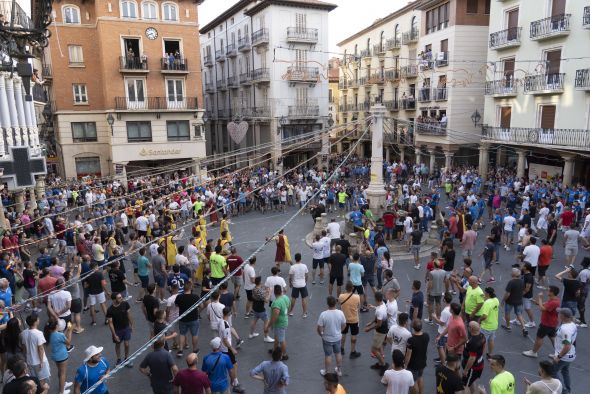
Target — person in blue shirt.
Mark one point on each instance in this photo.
(44, 259)
(219, 369)
(59, 342)
(5, 292)
(274, 374)
(356, 217)
(94, 368)
(177, 278)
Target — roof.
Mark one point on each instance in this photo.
(410, 7)
(316, 4)
(225, 15)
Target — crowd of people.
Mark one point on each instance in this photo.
(86, 246)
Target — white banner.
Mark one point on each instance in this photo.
(542, 171)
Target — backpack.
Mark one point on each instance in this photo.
(427, 212)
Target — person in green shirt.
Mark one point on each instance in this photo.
(279, 320)
(218, 266)
(489, 317)
(342, 199)
(448, 187)
(473, 299)
(503, 382)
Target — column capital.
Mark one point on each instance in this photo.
(568, 156)
(521, 152)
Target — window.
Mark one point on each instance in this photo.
(472, 6)
(139, 131)
(84, 131)
(76, 55)
(175, 90)
(128, 9)
(80, 96)
(135, 93)
(71, 14)
(149, 10)
(178, 130)
(437, 18)
(547, 117)
(169, 12)
(88, 166)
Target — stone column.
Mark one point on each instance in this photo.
(40, 188)
(402, 153)
(418, 156)
(376, 190)
(325, 150)
(277, 138)
(521, 163)
(568, 169)
(432, 161)
(13, 129)
(21, 129)
(2, 217)
(499, 157)
(20, 200)
(484, 158)
(339, 148)
(32, 199)
(387, 155)
(448, 160)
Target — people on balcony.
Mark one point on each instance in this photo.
(432, 124)
(35, 78)
(173, 61)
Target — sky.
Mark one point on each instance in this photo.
(350, 16)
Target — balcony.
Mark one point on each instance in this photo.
(231, 51)
(363, 81)
(426, 64)
(296, 74)
(501, 88)
(302, 35)
(430, 128)
(222, 113)
(304, 111)
(366, 53)
(262, 111)
(46, 71)
(246, 78)
(507, 38)
(379, 49)
(424, 94)
(393, 44)
(244, 44)
(15, 15)
(410, 37)
(378, 78)
(567, 138)
(209, 88)
(407, 103)
(392, 105)
(583, 79)
(364, 106)
(343, 83)
(221, 84)
(544, 84)
(260, 37)
(208, 60)
(392, 75)
(261, 75)
(173, 66)
(440, 94)
(409, 71)
(586, 18)
(156, 104)
(39, 93)
(554, 26)
(133, 65)
(219, 55)
(232, 82)
(442, 59)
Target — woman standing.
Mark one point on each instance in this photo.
(59, 343)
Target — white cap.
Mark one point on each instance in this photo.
(215, 343)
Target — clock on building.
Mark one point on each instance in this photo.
(151, 33)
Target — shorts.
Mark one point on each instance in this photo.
(543, 270)
(280, 334)
(378, 340)
(260, 315)
(76, 305)
(471, 377)
(160, 281)
(545, 331)
(442, 342)
(509, 234)
(237, 280)
(216, 281)
(163, 388)
(96, 299)
(359, 290)
(354, 329)
(71, 250)
(232, 356)
(331, 348)
(62, 242)
(141, 233)
(417, 373)
(338, 279)
(318, 262)
(434, 299)
(467, 252)
(489, 334)
(249, 295)
(124, 334)
(369, 280)
(192, 326)
(571, 251)
(415, 250)
(516, 308)
(145, 281)
(296, 291)
(487, 264)
(527, 303)
(40, 371)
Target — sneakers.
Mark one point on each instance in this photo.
(530, 324)
(240, 342)
(313, 282)
(530, 353)
(68, 385)
(491, 280)
(429, 321)
(238, 389)
(305, 315)
(364, 310)
(383, 369)
(354, 355)
(515, 321)
(291, 313)
(268, 339)
(338, 371)
(376, 366)
(541, 287)
(253, 335)
(179, 354)
(525, 333)
(507, 328)
(323, 372)
(417, 267)
(582, 325)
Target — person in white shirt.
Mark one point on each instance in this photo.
(215, 312)
(392, 307)
(397, 379)
(331, 323)
(318, 259)
(565, 348)
(141, 225)
(542, 222)
(509, 223)
(298, 283)
(33, 341)
(193, 254)
(60, 302)
(531, 253)
(333, 229)
(249, 278)
(443, 322)
(273, 280)
(399, 334)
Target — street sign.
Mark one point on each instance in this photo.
(19, 172)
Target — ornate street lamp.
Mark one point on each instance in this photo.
(111, 122)
(475, 117)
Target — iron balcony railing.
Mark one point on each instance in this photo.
(571, 138)
(174, 64)
(365, 53)
(46, 71)
(363, 81)
(364, 106)
(261, 111)
(232, 81)
(219, 55)
(409, 71)
(410, 37)
(343, 83)
(547, 27)
(354, 83)
(222, 113)
(408, 102)
(583, 79)
(544, 83)
(261, 75)
(304, 111)
(434, 128)
(501, 87)
(442, 59)
(424, 94)
(209, 88)
(14, 15)
(303, 74)
(260, 37)
(378, 78)
(157, 103)
(244, 44)
(392, 105)
(586, 17)
(39, 93)
(392, 75)
(221, 84)
(379, 49)
(505, 38)
(393, 43)
(207, 60)
(302, 34)
(231, 50)
(439, 94)
(133, 63)
(246, 78)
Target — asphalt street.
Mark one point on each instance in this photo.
(304, 345)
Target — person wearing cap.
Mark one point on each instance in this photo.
(219, 369)
(448, 379)
(190, 379)
(331, 384)
(95, 367)
(272, 281)
(565, 348)
(159, 366)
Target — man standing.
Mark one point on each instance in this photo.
(159, 271)
(234, 261)
(121, 325)
(279, 319)
(298, 283)
(189, 323)
(249, 285)
(503, 381)
(473, 300)
(489, 256)
(513, 301)
(318, 259)
(528, 279)
(399, 334)
(435, 289)
(379, 324)
(416, 240)
(59, 303)
(473, 357)
(218, 266)
(489, 317)
(274, 374)
(33, 340)
(397, 379)
(571, 237)
(160, 368)
(530, 254)
(95, 367)
(468, 241)
(549, 320)
(349, 304)
(416, 355)
(336, 262)
(565, 348)
(96, 290)
(448, 380)
(218, 367)
(191, 380)
(331, 323)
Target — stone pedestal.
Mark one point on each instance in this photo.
(448, 160)
(19, 197)
(318, 227)
(40, 188)
(376, 190)
(432, 161)
(32, 200)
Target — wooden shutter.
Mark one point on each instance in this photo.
(548, 116)
(553, 61)
(508, 67)
(505, 117)
(513, 18)
(558, 7)
(444, 46)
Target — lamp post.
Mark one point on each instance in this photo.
(475, 118)
(111, 122)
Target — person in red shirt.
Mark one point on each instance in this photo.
(45, 284)
(567, 218)
(457, 334)
(234, 261)
(388, 224)
(545, 258)
(549, 320)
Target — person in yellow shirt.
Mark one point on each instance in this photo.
(503, 382)
(224, 226)
(331, 384)
(473, 299)
(203, 226)
(489, 317)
